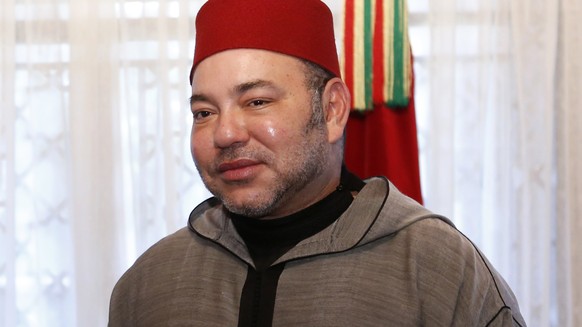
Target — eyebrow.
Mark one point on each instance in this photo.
(259, 83)
(238, 89)
(198, 98)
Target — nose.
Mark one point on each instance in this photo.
(230, 130)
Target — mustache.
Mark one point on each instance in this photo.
(241, 152)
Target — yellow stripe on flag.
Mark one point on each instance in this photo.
(359, 56)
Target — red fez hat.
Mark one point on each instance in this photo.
(299, 28)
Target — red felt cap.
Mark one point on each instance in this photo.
(299, 28)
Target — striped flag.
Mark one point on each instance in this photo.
(377, 67)
(376, 58)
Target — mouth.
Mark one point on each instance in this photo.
(238, 170)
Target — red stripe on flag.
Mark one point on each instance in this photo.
(349, 46)
(379, 60)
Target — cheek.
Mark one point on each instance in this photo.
(273, 132)
(200, 147)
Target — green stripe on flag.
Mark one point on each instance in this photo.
(399, 97)
(368, 51)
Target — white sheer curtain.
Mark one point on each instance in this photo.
(95, 164)
(94, 149)
(569, 162)
(499, 124)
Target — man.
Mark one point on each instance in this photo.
(291, 238)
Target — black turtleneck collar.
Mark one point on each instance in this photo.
(267, 240)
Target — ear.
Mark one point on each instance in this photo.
(336, 106)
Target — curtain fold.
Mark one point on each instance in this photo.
(7, 118)
(7, 180)
(569, 164)
(95, 156)
(534, 48)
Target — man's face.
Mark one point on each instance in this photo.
(251, 138)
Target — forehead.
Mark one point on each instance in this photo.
(241, 65)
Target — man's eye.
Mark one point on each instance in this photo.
(258, 103)
(201, 115)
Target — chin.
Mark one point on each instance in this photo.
(254, 209)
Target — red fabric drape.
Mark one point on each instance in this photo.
(383, 141)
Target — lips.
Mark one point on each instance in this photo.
(238, 169)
